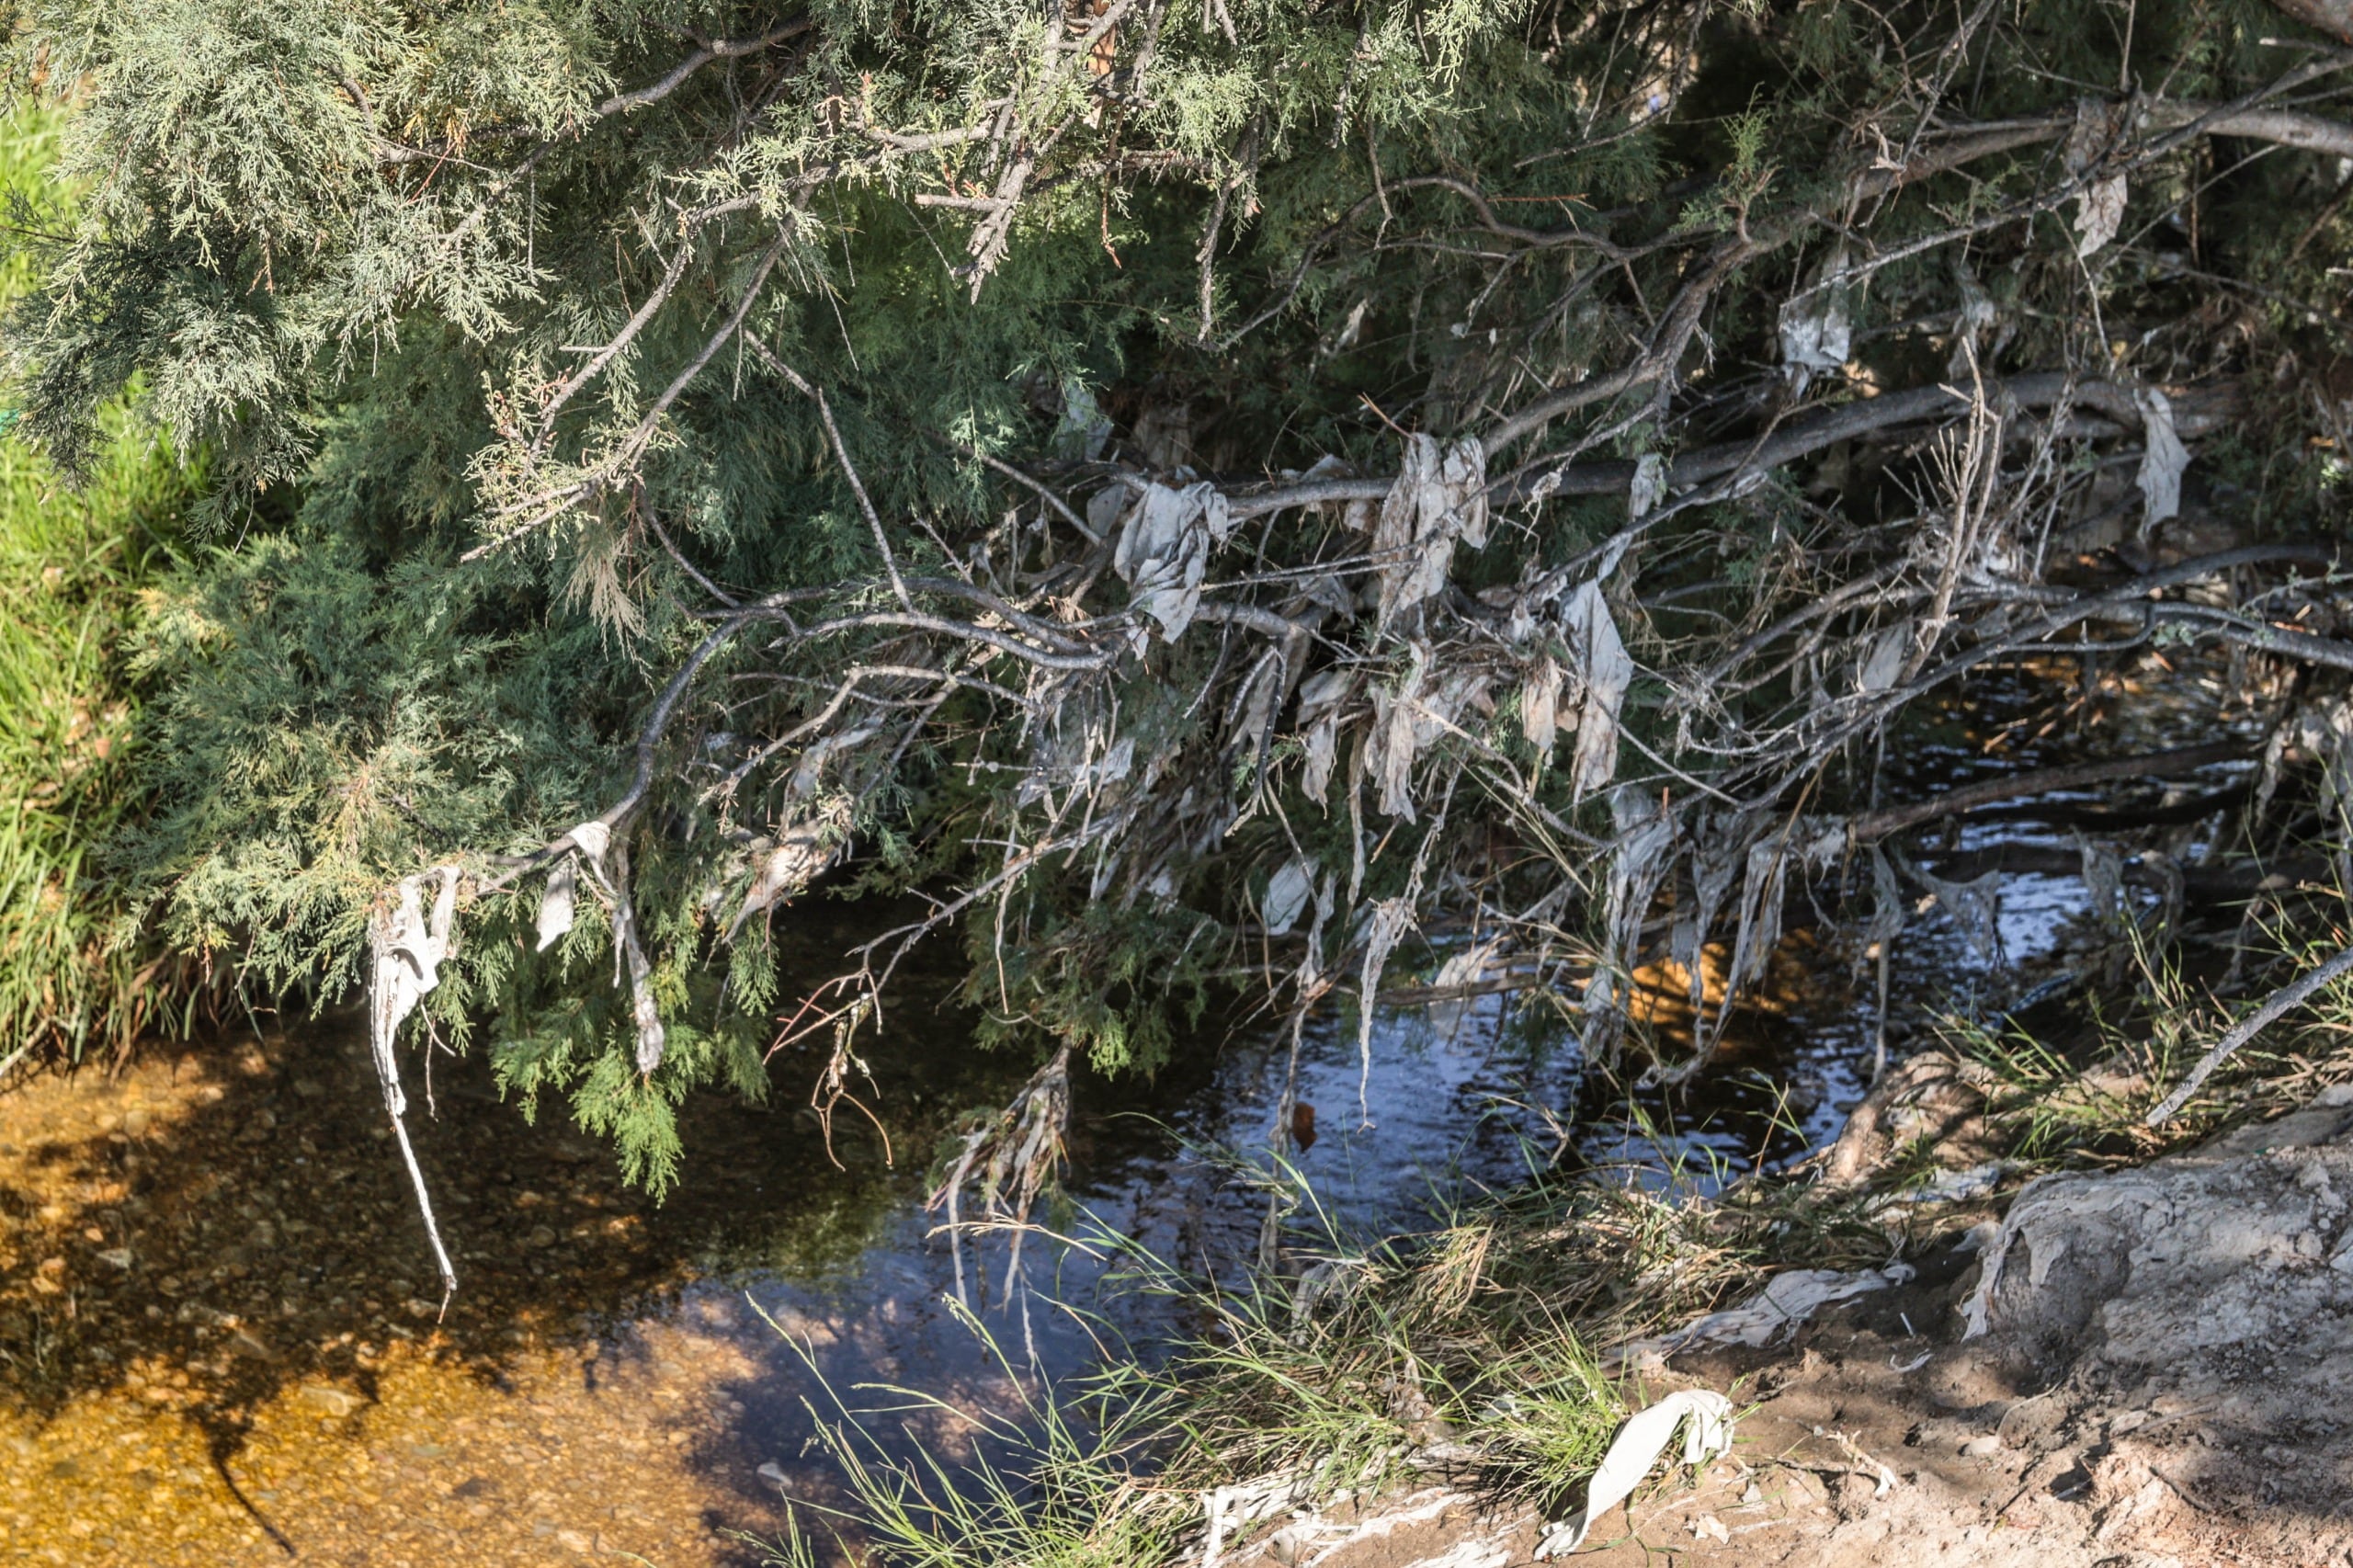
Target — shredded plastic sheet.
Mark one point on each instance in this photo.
(1639, 862)
(407, 947)
(1649, 487)
(1439, 496)
(1464, 967)
(1231, 1510)
(1705, 1420)
(1407, 721)
(1787, 1301)
(1163, 550)
(594, 839)
(556, 904)
(2163, 458)
(1818, 326)
(1286, 894)
(1539, 700)
(1321, 698)
(2099, 208)
(1604, 672)
(1975, 906)
(801, 855)
(1883, 660)
(2103, 879)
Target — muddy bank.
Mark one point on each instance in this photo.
(2145, 1368)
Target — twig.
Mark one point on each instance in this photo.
(2281, 1001)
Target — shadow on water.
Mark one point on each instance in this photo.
(218, 1334)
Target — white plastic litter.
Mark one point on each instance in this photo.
(556, 904)
(1818, 326)
(2100, 207)
(1439, 496)
(1604, 672)
(1649, 487)
(407, 947)
(2163, 458)
(1786, 1301)
(1286, 894)
(1163, 550)
(1705, 1420)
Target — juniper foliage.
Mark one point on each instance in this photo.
(1195, 488)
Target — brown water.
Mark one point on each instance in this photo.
(216, 1344)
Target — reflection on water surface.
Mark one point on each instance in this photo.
(216, 1344)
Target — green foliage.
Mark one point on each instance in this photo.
(73, 564)
(503, 325)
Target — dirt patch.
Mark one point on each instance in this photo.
(2144, 1368)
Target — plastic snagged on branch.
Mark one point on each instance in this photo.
(1286, 894)
(1817, 326)
(1706, 1421)
(2100, 207)
(1604, 672)
(406, 950)
(592, 838)
(1164, 551)
(1440, 497)
(2163, 458)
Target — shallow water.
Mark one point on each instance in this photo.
(215, 1347)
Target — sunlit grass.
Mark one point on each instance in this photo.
(73, 561)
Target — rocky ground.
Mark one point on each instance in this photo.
(2165, 1380)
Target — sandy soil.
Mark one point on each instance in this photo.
(2164, 1383)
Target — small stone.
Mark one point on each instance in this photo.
(540, 1239)
(328, 1399)
(418, 1307)
(309, 1088)
(137, 1122)
(118, 1257)
(575, 1540)
(1983, 1447)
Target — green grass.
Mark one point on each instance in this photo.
(73, 562)
(1473, 1339)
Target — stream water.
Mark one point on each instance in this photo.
(216, 1347)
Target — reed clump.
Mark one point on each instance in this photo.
(75, 560)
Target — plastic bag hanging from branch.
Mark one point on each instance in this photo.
(1164, 551)
(1638, 864)
(1603, 672)
(1975, 907)
(801, 855)
(1439, 496)
(2163, 458)
(2100, 207)
(1817, 325)
(406, 945)
(594, 839)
